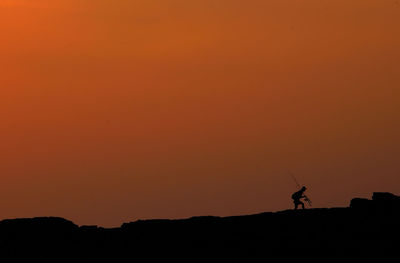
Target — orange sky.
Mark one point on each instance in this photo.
(113, 111)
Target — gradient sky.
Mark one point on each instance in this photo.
(113, 111)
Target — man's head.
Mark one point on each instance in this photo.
(304, 188)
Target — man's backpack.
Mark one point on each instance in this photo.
(296, 196)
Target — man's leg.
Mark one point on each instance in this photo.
(302, 204)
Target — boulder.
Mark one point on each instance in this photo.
(386, 200)
(361, 203)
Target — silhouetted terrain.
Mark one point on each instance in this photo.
(368, 230)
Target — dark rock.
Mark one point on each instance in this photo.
(363, 232)
(386, 198)
(386, 202)
(361, 203)
(89, 228)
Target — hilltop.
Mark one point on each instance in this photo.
(367, 229)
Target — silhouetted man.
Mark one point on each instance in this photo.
(297, 196)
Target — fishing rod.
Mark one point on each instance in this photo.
(294, 179)
(299, 186)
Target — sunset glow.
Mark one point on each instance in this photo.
(113, 111)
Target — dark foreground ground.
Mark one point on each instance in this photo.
(367, 231)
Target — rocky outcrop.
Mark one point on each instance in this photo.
(368, 230)
(383, 202)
